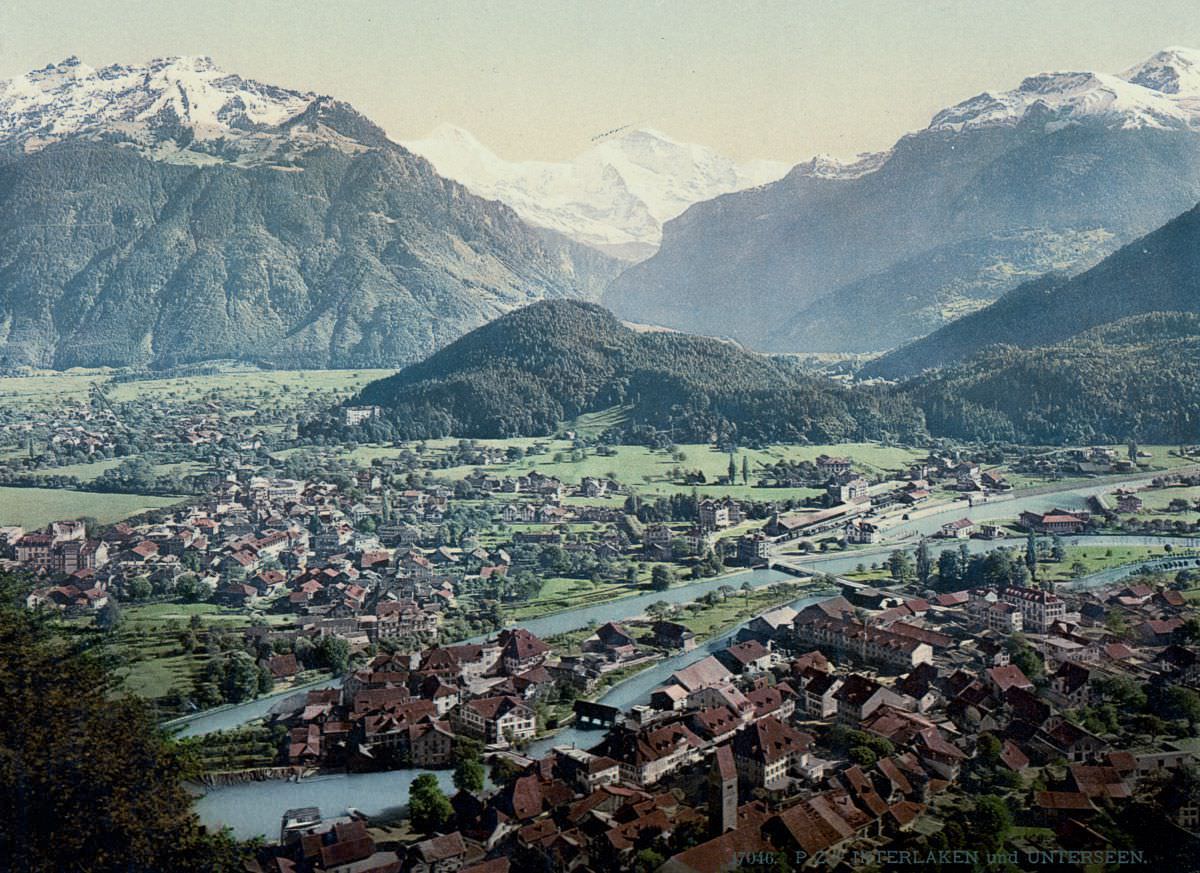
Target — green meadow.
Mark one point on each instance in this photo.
(36, 507)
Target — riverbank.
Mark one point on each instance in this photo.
(252, 809)
(223, 778)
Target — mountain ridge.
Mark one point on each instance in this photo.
(153, 215)
(1154, 273)
(1130, 379)
(1063, 163)
(614, 196)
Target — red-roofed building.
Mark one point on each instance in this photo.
(767, 750)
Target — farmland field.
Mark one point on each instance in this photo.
(242, 383)
(36, 507)
(649, 471)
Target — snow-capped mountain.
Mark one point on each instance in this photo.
(1054, 174)
(1162, 92)
(615, 196)
(171, 212)
(177, 110)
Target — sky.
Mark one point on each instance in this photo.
(539, 79)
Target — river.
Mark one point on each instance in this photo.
(544, 626)
(255, 808)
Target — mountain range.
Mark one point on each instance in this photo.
(533, 371)
(1053, 175)
(171, 212)
(615, 196)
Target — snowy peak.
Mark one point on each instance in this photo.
(179, 109)
(1174, 70)
(829, 167)
(1163, 92)
(616, 195)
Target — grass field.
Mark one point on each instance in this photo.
(1155, 503)
(1093, 558)
(243, 383)
(738, 607)
(592, 424)
(1097, 558)
(36, 507)
(649, 470)
(559, 594)
(147, 643)
(85, 472)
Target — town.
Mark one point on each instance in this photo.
(878, 660)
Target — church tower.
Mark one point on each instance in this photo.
(723, 792)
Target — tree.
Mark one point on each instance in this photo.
(863, 756)
(241, 680)
(745, 470)
(109, 616)
(900, 566)
(468, 769)
(1115, 623)
(949, 571)
(1184, 703)
(648, 860)
(333, 652)
(732, 469)
(991, 820)
(1057, 550)
(658, 609)
(1031, 554)
(75, 748)
(924, 563)
(1123, 693)
(988, 748)
(428, 806)
(138, 588)
(661, 577)
(1026, 659)
(190, 588)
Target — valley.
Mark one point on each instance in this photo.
(373, 502)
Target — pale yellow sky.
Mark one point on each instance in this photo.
(538, 79)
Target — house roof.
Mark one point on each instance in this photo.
(857, 689)
(724, 763)
(441, 848)
(704, 673)
(1008, 676)
(821, 822)
(1013, 757)
(491, 708)
(1062, 800)
(521, 645)
(768, 740)
(747, 652)
(716, 720)
(1099, 781)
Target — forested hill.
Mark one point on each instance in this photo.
(530, 371)
(1135, 378)
(1159, 272)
